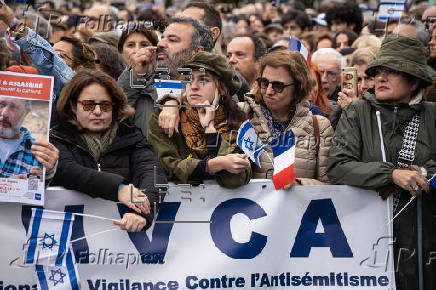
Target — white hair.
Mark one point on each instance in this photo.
(325, 51)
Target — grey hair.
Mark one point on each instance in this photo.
(113, 14)
(201, 35)
(421, 33)
(325, 51)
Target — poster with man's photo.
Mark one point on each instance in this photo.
(25, 102)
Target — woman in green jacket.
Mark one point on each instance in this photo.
(205, 145)
(387, 142)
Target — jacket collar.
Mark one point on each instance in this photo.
(127, 135)
(415, 103)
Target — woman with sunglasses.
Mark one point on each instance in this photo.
(204, 145)
(280, 103)
(101, 154)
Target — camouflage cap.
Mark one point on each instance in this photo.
(403, 54)
(218, 65)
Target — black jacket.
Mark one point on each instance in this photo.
(127, 160)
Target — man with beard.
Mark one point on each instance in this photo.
(183, 38)
(20, 155)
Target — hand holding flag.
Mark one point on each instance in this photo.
(249, 142)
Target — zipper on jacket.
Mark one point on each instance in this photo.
(78, 146)
(395, 120)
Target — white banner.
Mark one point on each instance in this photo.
(208, 237)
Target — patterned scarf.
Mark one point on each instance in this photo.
(96, 145)
(276, 127)
(194, 132)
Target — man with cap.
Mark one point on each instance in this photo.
(393, 121)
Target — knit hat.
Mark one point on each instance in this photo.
(403, 54)
(218, 65)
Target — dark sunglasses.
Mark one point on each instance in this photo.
(276, 85)
(90, 105)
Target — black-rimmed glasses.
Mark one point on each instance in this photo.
(276, 85)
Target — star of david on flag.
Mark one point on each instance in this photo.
(249, 142)
(48, 249)
(58, 278)
(48, 237)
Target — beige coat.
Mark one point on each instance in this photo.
(310, 165)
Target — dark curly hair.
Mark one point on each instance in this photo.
(346, 13)
(300, 18)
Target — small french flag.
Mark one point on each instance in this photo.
(296, 45)
(283, 148)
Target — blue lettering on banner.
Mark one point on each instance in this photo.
(153, 251)
(221, 232)
(333, 236)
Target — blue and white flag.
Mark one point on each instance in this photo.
(432, 181)
(168, 87)
(296, 45)
(249, 142)
(58, 278)
(48, 237)
(390, 9)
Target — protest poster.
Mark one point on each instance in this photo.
(25, 103)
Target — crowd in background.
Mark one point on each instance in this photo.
(277, 64)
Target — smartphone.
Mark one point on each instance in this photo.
(349, 79)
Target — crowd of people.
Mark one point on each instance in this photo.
(276, 64)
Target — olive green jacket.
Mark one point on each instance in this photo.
(180, 162)
(356, 159)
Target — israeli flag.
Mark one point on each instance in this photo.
(390, 9)
(48, 237)
(168, 87)
(249, 142)
(432, 181)
(58, 278)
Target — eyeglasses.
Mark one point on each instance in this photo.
(90, 105)
(276, 85)
(429, 21)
